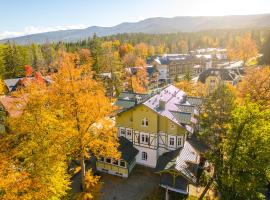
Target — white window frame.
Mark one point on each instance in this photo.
(179, 141)
(124, 132)
(145, 122)
(172, 140)
(144, 156)
(144, 138)
(128, 132)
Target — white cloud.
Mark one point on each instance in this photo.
(38, 29)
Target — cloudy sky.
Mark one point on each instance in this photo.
(21, 17)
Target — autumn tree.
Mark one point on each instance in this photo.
(265, 59)
(83, 105)
(246, 154)
(191, 88)
(244, 49)
(256, 86)
(68, 119)
(112, 63)
(214, 120)
(38, 144)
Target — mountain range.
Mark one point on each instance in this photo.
(156, 25)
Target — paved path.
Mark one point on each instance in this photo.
(141, 182)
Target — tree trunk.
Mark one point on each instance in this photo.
(82, 171)
(206, 188)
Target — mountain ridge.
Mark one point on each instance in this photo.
(156, 25)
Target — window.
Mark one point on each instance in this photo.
(115, 162)
(145, 122)
(122, 132)
(108, 160)
(129, 132)
(171, 141)
(122, 163)
(102, 159)
(179, 141)
(144, 138)
(144, 156)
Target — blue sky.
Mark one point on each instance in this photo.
(20, 17)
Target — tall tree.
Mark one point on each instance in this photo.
(96, 52)
(15, 58)
(215, 119)
(265, 59)
(38, 144)
(83, 105)
(246, 154)
(244, 49)
(256, 86)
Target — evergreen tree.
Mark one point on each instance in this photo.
(96, 52)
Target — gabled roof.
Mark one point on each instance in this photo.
(173, 99)
(128, 152)
(223, 73)
(184, 160)
(11, 83)
(177, 106)
(12, 105)
(195, 101)
(182, 118)
(128, 100)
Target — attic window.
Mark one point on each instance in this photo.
(145, 122)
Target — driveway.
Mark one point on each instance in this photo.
(140, 183)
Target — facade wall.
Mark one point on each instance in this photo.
(151, 157)
(162, 134)
(112, 169)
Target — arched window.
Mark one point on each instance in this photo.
(144, 155)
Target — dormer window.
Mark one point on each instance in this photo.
(145, 122)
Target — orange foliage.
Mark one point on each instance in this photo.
(256, 86)
(244, 50)
(192, 89)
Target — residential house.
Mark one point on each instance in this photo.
(10, 106)
(215, 76)
(158, 125)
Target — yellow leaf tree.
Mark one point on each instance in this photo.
(244, 49)
(85, 108)
(38, 145)
(192, 89)
(256, 86)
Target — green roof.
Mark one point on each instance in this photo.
(124, 104)
(186, 108)
(167, 160)
(196, 101)
(128, 152)
(182, 117)
(128, 100)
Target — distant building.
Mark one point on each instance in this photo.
(173, 66)
(215, 76)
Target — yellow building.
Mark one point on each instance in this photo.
(123, 166)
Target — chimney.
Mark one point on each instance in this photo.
(162, 104)
(184, 98)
